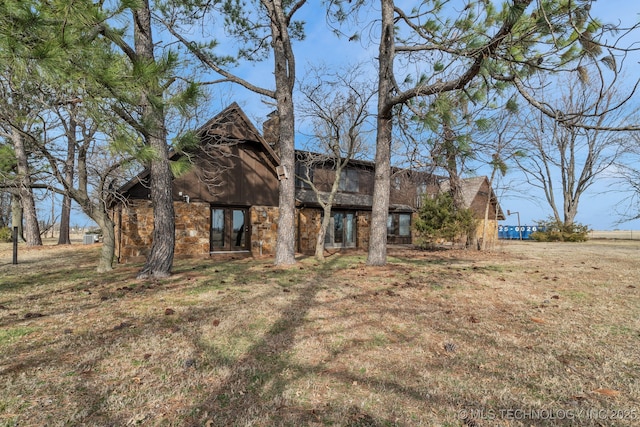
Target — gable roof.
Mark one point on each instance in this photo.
(231, 124)
(471, 189)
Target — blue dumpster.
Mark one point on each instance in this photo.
(514, 232)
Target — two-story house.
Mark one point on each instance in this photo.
(228, 201)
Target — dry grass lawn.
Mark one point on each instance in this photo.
(529, 334)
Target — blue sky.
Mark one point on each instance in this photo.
(602, 205)
(597, 207)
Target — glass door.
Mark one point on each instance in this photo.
(238, 230)
(229, 230)
(341, 232)
(217, 230)
(350, 230)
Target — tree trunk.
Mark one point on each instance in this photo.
(377, 254)
(5, 209)
(65, 218)
(31, 226)
(324, 226)
(17, 215)
(160, 259)
(284, 79)
(65, 215)
(107, 252)
(285, 243)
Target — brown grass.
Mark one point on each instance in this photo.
(531, 334)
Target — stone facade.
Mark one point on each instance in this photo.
(363, 223)
(264, 229)
(135, 228)
(192, 228)
(309, 221)
(492, 232)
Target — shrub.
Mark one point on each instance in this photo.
(438, 219)
(5, 234)
(551, 230)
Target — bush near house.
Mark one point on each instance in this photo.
(557, 231)
(5, 234)
(439, 220)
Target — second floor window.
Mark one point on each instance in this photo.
(349, 181)
(302, 170)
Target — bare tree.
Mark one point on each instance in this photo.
(69, 124)
(22, 181)
(264, 28)
(98, 169)
(338, 107)
(628, 175)
(477, 47)
(499, 153)
(564, 160)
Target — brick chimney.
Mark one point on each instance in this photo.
(271, 130)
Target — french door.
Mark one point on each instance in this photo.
(341, 232)
(229, 229)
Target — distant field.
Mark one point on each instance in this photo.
(617, 234)
(530, 334)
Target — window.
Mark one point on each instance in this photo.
(404, 225)
(421, 193)
(399, 224)
(301, 173)
(349, 180)
(229, 229)
(341, 231)
(397, 182)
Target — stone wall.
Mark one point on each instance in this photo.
(133, 239)
(133, 231)
(363, 229)
(192, 228)
(309, 222)
(492, 232)
(264, 229)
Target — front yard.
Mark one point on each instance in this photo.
(529, 334)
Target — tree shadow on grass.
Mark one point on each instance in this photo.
(255, 392)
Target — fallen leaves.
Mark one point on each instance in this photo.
(607, 392)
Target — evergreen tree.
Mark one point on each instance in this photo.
(264, 29)
(473, 46)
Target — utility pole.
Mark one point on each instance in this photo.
(519, 228)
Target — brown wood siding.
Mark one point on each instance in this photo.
(406, 188)
(479, 203)
(323, 177)
(248, 179)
